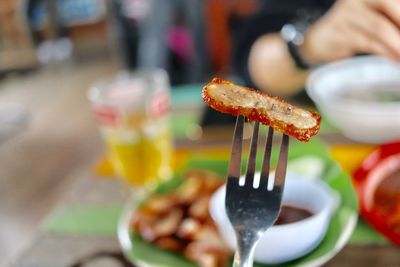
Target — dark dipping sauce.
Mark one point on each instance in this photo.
(291, 214)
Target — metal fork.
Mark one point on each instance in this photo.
(253, 210)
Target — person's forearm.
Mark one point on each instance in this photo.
(272, 68)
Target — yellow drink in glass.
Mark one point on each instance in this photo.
(141, 159)
(133, 115)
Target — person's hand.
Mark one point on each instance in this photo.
(355, 26)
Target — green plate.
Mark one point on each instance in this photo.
(339, 231)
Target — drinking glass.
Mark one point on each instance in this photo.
(132, 110)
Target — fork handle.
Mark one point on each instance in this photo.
(247, 242)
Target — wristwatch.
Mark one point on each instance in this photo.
(293, 35)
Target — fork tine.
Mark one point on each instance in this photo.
(282, 162)
(267, 158)
(251, 164)
(236, 153)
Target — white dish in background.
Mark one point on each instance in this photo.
(282, 243)
(354, 95)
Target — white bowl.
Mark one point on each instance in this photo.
(286, 242)
(360, 119)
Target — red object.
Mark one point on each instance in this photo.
(160, 105)
(107, 116)
(378, 166)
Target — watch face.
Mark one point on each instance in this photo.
(291, 34)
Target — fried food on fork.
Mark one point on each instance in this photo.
(227, 97)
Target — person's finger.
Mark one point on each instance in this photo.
(391, 9)
(363, 43)
(379, 29)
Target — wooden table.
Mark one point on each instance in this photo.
(59, 141)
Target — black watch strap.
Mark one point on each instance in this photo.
(293, 33)
(296, 56)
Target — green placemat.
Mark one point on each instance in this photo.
(327, 127)
(183, 123)
(84, 220)
(365, 234)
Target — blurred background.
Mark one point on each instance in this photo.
(51, 51)
(191, 39)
